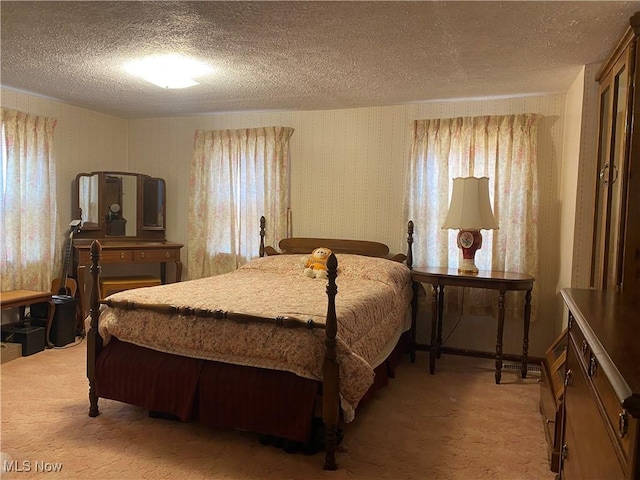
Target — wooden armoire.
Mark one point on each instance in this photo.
(616, 240)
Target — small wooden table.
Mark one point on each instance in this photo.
(501, 281)
(23, 298)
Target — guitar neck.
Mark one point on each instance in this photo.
(65, 263)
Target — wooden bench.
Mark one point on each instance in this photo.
(109, 285)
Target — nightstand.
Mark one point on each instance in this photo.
(501, 281)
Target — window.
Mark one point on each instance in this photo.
(237, 176)
(28, 212)
(503, 148)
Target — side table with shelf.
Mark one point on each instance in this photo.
(25, 298)
(502, 281)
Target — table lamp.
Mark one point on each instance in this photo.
(470, 211)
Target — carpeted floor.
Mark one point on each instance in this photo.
(456, 424)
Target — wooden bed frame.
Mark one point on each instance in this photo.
(330, 381)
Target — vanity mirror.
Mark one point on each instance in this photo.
(120, 204)
(126, 212)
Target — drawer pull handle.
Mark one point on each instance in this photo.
(121, 254)
(141, 254)
(167, 254)
(593, 366)
(568, 381)
(585, 346)
(604, 175)
(623, 423)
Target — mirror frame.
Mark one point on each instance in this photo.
(154, 231)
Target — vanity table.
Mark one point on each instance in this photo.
(114, 252)
(126, 213)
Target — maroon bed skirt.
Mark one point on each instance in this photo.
(218, 395)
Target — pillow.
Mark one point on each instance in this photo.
(283, 264)
(394, 274)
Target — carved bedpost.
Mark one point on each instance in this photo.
(414, 298)
(330, 374)
(94, 340)
(262, 223)
(410, 244)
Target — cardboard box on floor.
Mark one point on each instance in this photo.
(10, 351)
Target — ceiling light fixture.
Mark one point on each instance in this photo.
(168, 71)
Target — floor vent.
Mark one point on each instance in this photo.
(517, 366)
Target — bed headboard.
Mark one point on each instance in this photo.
(301, 245)
(307, 245)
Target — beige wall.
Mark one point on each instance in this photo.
(362, 154)
(586, 177)
(577, 186)
(569, 178)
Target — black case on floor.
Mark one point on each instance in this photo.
(31, 338)
(63, 325)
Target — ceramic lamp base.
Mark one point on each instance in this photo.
(467, 266)
(469, 241)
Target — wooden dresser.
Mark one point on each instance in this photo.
(602, 386)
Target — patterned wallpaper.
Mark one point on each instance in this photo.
(348, 175)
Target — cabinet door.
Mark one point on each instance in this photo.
(613, 150)
(589, 452)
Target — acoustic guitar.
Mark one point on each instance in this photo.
(65, 285)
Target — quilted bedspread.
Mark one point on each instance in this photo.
(372, 307)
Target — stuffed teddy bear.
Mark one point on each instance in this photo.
(315, 266)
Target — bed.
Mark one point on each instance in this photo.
(261, 348)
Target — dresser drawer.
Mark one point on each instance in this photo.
(589, 452)
(156, 255)
(605, 375)
(116, 256)
(622, 424)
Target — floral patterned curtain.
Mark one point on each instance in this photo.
(28, 211)
(236, 177)
(503, 148)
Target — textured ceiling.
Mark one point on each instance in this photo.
(303, 55)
